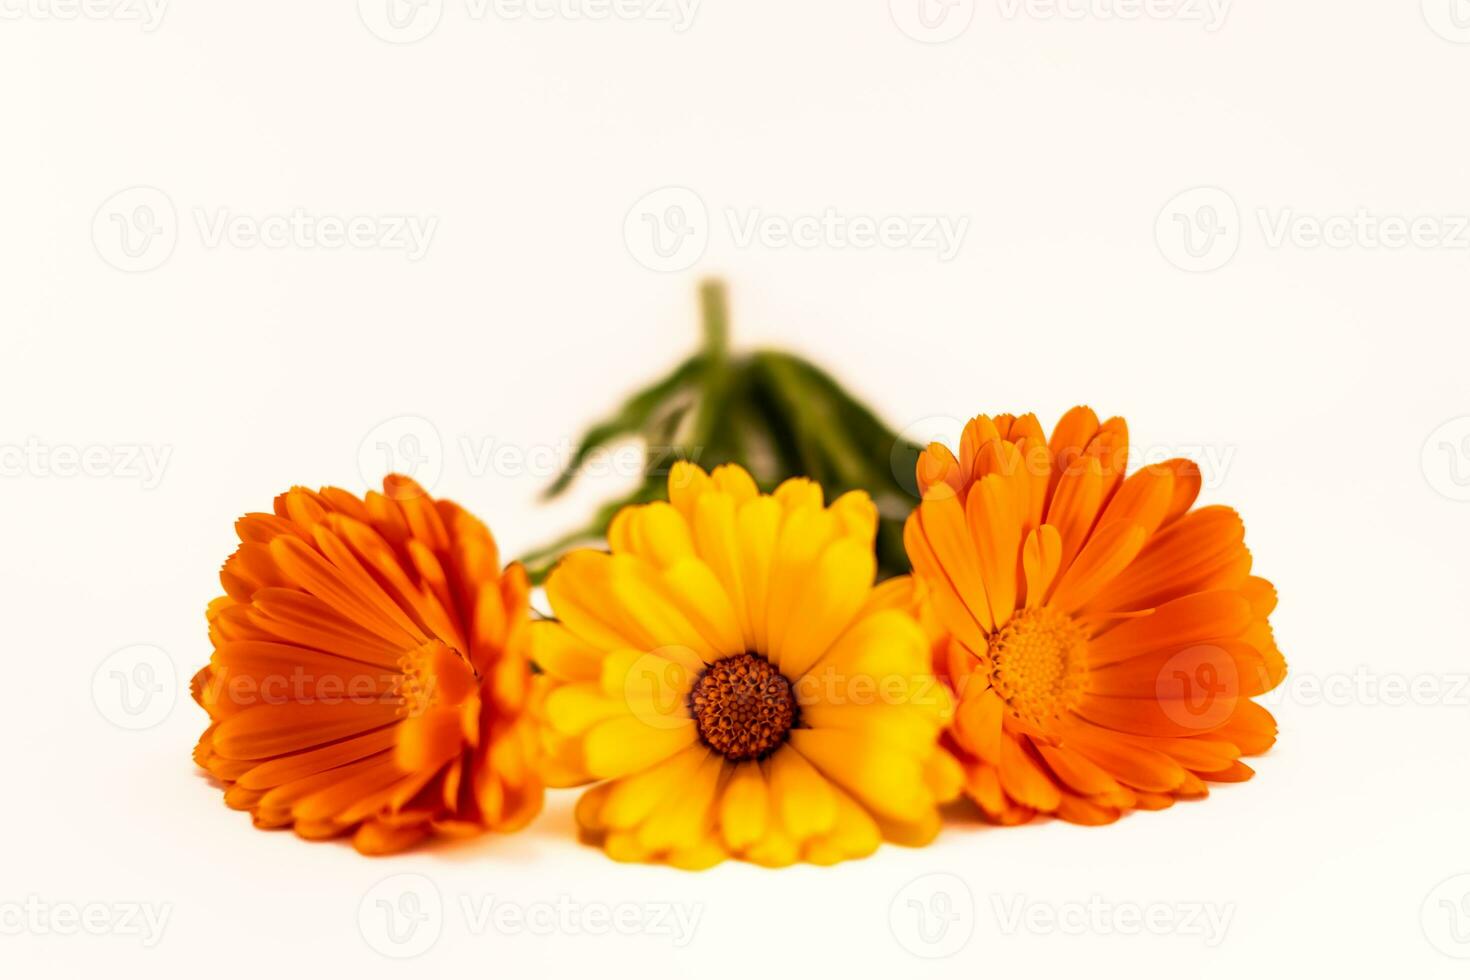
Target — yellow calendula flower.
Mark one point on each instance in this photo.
(735, 686)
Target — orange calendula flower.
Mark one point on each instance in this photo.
(1104, 640)
(370, 672)
(734, 684)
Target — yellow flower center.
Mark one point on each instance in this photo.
(743, 707)
(1039, 664)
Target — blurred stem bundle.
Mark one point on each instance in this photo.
(775, 414)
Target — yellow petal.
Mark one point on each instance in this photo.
(879, 648)
(716, 541)
(744, 807)
(577, 589)
(835, 589)
(914, 729)
(805, 532)
(799, 493)
(687, 484)
(631, 799)
(701, 597)
(652, 617)
(571, 709)
(685, 820)
(858, 516)
(705, 854)
(649, 686)
(758, 525)
(805, 800)
(885, 780)
(853, 834)
(733, 480)
(661, 535)
(624, 745)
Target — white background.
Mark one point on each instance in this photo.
(1311, 380)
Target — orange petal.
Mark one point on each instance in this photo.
(1174, 626)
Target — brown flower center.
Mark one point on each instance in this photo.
(1039, 664)
(743, 707)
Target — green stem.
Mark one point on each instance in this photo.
(714, 308)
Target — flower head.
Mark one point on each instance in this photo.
(370, 672)
(735, 686)
(1103, 639)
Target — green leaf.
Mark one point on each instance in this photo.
(635, 414)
